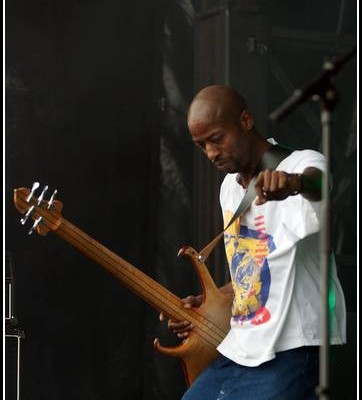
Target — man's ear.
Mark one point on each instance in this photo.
(247, 120)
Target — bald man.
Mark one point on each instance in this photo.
(271, 350)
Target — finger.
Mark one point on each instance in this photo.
(260, 200)
(267, 175)
(161, 317)
(283, 181)
(274, 181)
(189, 301)
(186, 329)
(178, 331)
(183, 335)
(259, 180)
(259, 183)
(179, 326)
(262, 194)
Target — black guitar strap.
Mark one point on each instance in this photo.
(270, 160)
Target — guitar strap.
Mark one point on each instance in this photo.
(270, 160)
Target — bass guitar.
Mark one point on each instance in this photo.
(210, 321)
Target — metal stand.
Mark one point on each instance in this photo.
(322, 90)
(328, 101)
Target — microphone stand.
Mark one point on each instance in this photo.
(322, 90)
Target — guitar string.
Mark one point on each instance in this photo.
(195, 318)
(133, 282)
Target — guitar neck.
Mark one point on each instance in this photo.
(210, 321)
(137, 281)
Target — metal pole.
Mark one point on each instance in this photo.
(325, 251)
(321, 89)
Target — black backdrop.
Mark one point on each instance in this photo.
(87, 111)
(96, 94)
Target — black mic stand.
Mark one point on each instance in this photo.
(321, 90)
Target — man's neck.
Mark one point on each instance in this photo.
(244, 178)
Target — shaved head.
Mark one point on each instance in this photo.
(223, 128)
(214, 103)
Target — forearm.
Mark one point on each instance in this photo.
(309, 184)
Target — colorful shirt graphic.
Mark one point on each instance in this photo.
(274, 259)
(247, 250)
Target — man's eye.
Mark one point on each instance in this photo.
(217, 139)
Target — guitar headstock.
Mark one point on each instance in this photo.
(45, 214)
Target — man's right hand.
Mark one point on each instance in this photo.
(182, 328)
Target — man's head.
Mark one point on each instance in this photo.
(223, 128)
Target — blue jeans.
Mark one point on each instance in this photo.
(292, 375)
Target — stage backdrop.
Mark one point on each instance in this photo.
(96, 100)
(96, 94)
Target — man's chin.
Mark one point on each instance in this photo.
(226, 168)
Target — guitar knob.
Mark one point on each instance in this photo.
(33, 189)
(40, 198)
(23, 220)
(36, 223)
(50, 202)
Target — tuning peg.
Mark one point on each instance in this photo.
(26, 216)
(33, 189)
(36, 223)
(50, 202)
(40, 198)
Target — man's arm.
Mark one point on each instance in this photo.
(278, 185)
(311, 184)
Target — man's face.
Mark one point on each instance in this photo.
(225, 142)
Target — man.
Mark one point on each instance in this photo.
(271, 350)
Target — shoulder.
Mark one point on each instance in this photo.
(229, 181)
(299, 160)
(230, 190)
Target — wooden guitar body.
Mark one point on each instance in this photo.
(210, 321)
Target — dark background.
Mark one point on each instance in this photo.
(96, 95)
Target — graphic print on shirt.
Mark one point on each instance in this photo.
(247, 250)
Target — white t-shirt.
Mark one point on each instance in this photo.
(273, 254)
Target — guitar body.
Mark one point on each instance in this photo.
(199, 350)
(210, 321)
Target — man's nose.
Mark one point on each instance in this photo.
(212, 151)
